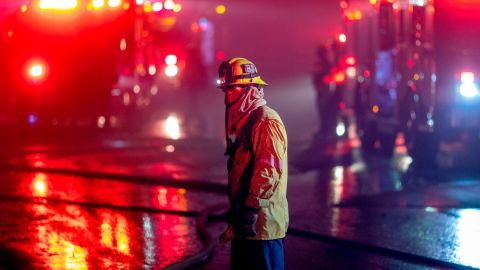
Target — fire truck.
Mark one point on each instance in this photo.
(417, 63)
(92, 62)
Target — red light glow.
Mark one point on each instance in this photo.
(39, 185)
(350, 61)
(220, 55)
(353, 15)
(36, 71)
(339, 77)
(410, 63)
(195, 27)
(366, 73)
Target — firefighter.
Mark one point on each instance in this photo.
(257, 170)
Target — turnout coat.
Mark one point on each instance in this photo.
(258, 172)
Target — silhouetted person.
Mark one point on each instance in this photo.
(326, 91)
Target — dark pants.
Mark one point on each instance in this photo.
(256, 254)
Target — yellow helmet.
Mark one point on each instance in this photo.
(238, 71)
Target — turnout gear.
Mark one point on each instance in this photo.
(257, 170)
(257, 175)
(238, 71)
(246, 220)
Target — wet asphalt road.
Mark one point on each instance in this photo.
(131, 204)
(58, 217)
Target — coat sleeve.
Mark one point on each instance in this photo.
(269, 149)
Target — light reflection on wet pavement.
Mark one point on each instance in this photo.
(375, 207)
(70, 222)
(101, 223)
(74, 237)
(156, 158)
(80, 190)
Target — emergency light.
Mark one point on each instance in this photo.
(467, 87)
(58, 4)
(36, 71)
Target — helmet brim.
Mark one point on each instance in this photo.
(256, 81)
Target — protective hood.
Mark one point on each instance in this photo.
(237, 113)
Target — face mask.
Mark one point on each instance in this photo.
(233, 95)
